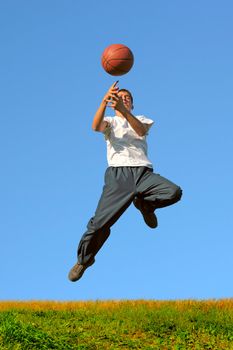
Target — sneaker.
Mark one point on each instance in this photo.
(78, 270)
(148, 216)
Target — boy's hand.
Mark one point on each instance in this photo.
(117, 103)
(113, 90)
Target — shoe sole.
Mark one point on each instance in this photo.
(74, 279)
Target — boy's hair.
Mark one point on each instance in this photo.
(131, 96)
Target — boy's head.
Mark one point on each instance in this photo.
(127, 98)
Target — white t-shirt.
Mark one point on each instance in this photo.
(124, 146)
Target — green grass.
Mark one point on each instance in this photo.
(116, 325)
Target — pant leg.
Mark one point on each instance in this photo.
(157, 191)
(118, 194)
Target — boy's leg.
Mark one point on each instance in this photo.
(156, 191)
(118, 194)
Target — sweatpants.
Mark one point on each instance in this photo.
(122, 185)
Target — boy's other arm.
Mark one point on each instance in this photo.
(98, 123)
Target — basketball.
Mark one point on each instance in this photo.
(117, 59)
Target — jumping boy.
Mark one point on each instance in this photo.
(128, 178)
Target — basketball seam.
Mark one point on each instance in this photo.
(120, 48)
(119, 59)
(104, 62)
(117, 69)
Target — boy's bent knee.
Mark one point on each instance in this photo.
(178, 194)
(172, 196)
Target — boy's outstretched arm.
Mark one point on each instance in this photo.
(98, 124)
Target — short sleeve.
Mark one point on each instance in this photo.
(107, 131)
(145, 120)
(108, 119)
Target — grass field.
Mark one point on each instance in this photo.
(160, 325)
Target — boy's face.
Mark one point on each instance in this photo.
(126, 99)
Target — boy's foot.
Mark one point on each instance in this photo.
(148, 216)
(78, 270)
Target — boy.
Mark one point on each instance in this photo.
(129, 177)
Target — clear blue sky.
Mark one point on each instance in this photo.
(52, 163)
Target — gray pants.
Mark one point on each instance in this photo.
(122, 185)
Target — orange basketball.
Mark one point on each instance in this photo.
(117, 59)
